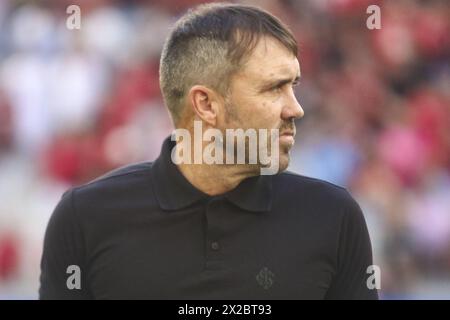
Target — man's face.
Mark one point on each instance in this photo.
(262, 95)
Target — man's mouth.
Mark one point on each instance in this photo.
(287, 137)
(287, 133)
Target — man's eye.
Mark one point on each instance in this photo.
(276, 89)
(279, 87)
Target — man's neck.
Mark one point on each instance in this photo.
(215, 179)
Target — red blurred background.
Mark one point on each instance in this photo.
(77, 103)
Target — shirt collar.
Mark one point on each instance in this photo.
(173, 191)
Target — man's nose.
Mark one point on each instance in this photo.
(292, 108)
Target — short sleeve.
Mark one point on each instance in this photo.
(63, 259)
(353, 258)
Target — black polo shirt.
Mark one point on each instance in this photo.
(144, 232)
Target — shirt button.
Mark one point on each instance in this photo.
(215, 246)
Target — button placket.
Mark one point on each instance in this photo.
(213, 245)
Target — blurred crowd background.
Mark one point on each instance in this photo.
(77, 103)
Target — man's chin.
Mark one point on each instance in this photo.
(281, 164)
(284, 162)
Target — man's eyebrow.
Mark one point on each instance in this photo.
(274, 83)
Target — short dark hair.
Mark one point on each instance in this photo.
(209, 43)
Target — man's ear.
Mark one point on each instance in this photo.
(205, 103)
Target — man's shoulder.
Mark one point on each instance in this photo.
(124, 172)
(300, 187)
(300, 181)
(117, 184)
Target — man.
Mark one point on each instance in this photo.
(195, 229)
